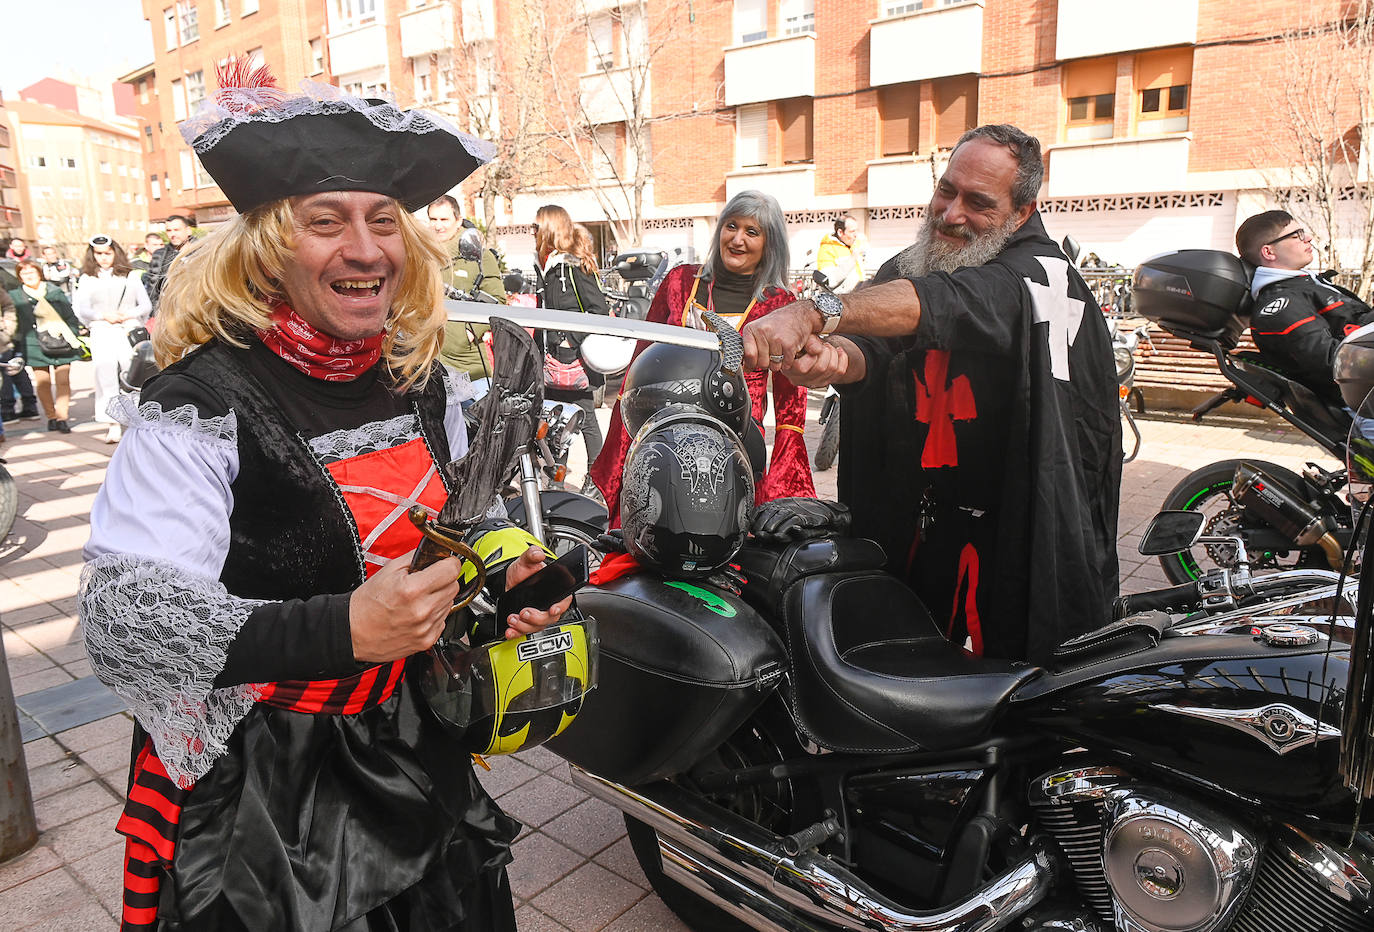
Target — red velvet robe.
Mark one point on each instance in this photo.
(789, 469)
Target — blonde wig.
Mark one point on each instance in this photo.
(223, 288)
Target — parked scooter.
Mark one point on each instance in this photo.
(1286, 520)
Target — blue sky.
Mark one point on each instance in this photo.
(67, 39)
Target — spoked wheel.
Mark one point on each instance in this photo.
(780, 805)
(9, 501)
(1208, 490)
(563, 536)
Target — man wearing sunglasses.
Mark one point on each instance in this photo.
(1300, 316)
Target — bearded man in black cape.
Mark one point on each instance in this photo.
(982, 439)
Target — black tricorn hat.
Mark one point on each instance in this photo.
(261, 145)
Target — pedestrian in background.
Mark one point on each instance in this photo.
(180, 229)
(42, 305)
(110, 300)
(568, 282)
(14, 378)
(58, 270)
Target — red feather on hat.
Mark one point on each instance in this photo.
(237, 74)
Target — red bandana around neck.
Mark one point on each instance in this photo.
(318, 354)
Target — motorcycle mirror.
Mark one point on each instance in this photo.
(1171, 532)
(1071, 249)
(470, 245)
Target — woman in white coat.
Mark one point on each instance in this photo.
(111, 302)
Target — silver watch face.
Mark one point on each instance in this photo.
(828, 304)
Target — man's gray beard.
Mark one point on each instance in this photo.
(931, 254)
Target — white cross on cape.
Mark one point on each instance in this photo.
(1065, 314)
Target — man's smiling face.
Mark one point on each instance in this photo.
(347, 262)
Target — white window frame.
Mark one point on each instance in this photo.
(634, 36)
(751, 135)
(156, 187)
(249, 8)
(317, 55)
(169, 27)
(188, 18)
(178, 100)
(798, 17)
(188, 169)
(105, 168)
(750, 21)
(221, 13)
(600, 43)
(603, 144)
(195, 90)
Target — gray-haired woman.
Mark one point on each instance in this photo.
(743, 278)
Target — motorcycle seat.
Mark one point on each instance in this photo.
(1321, 410)
(770, 570)
(871, 672)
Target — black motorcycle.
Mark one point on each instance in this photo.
(1285, 519)
(814, 755)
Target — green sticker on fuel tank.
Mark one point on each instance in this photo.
(708, 598)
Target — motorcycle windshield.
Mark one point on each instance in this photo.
(1360, 455)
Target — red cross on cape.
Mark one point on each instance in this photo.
(940, 402)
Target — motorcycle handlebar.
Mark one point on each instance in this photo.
(1178, 598)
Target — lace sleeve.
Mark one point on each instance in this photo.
(157, 636)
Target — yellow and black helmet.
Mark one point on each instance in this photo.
(500, 696)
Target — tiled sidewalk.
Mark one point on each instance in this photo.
(573, 867)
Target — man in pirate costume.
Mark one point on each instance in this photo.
(982, 439)
(247, 590)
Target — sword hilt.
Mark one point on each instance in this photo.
(439, 542)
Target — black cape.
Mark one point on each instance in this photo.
(998, 421)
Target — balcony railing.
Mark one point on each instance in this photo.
(479, 21)
(8, 179)
(794, 186)
(949, 40)
(425, 31)
(773, 69)
(4, 136)
(1082, 33)
(1139, 165)
(11, 217)
(358, 49)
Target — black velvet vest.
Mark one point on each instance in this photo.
(291, 534)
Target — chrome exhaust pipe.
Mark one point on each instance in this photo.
(741, 868)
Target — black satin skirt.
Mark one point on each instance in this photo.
(373, 822)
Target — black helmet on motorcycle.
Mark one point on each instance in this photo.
(1353, 368)
(141, 367)
(500, 696)
(665, 375)
(687, 498)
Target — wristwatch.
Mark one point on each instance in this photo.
(830, 308)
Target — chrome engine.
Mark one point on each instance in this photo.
(1148, 860)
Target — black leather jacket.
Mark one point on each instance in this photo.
(1298, 322)
(156, 276)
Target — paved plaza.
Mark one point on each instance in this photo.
(573, 868)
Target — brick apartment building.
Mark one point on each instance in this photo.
(79, 175)
(1160, 120)
(11, 214)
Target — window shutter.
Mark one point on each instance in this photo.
(751, 135)
(751, 20)
(899, 109)
(795, 117)
(956, 109)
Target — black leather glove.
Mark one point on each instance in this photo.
(729, 578)
(613, 541)
(786, 520)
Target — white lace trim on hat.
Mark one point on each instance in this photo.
(232, 107)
